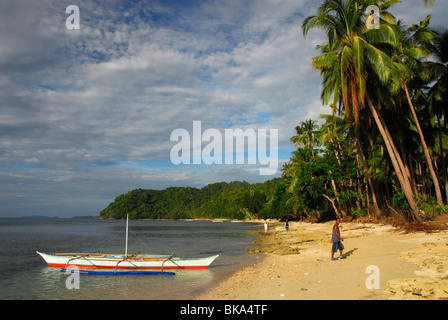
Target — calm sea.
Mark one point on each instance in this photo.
(25, 275)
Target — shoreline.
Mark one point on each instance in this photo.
(296, 265)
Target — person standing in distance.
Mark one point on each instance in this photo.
(336, 239)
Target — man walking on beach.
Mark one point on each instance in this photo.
(337, 240)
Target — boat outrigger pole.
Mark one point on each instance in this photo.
(127, 227)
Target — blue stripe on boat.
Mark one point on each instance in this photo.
(116, 272)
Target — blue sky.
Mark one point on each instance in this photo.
(86, 115)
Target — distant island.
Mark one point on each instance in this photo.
(38, 217)
(84, 217)
(222, 200)
(47, 217)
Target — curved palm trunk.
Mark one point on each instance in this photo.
(368, 177)
(442, 159)
(402, 167)
(395, 159)
(425, 149)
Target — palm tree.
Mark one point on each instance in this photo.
(333, 131)
(306, 135)
(354, 53)
(438, 95)
(335, 127)
(414, 46)
(297, 139)
(292, 170)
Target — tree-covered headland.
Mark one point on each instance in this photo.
(381, 149)
(235, 200)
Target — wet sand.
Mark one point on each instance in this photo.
(296, 265)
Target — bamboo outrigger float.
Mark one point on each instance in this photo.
(105, 272)
(135, 262)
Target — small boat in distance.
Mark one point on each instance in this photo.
(124, 261)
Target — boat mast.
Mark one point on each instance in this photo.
(127, 227)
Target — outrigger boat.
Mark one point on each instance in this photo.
(108, 261)
(136, 262)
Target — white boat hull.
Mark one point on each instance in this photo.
(81, 260)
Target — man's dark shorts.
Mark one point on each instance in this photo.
(337, 246)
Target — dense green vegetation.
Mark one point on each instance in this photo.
(235, 200)
(382, 150)
(386, 86)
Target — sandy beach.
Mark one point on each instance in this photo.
(382, 263)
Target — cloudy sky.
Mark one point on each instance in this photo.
(86, 115)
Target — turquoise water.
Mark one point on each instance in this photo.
(25, 275)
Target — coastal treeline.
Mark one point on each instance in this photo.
(382, 148)
(234, 200)
(384, 145)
